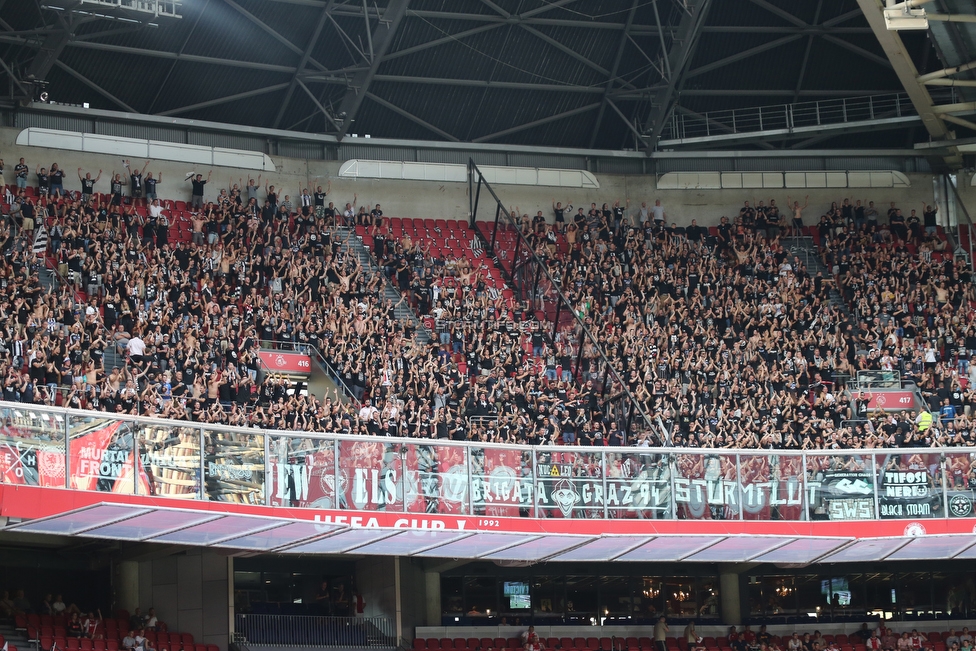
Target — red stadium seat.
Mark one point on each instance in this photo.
(73, 644)
(86, 644)
(419, 644)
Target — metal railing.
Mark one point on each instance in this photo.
(95, 452)
(533, 284)
(685, 125)
(316, 631)
(867, 380)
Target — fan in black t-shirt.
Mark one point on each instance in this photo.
(88, 184)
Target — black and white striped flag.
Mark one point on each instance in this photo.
(40, 241)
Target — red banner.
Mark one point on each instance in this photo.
(370, 475)
(91, 460)
(304, 478)
(500, 488)
(892, 400)
(292, 363)
(451, 478)
(27, 464)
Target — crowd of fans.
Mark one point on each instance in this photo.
(722, 334)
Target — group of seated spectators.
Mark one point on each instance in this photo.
(722, 335)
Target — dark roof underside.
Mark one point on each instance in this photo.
(528, 72)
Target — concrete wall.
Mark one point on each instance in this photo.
(449, 200)
(190, 592)
(967, 192)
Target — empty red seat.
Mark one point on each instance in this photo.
(419, 644)
(112, 645)
(73, 644)
(447, 643)
(187, 639)
(566, 642)
(472, 643)
(433, 644)
(86, 644)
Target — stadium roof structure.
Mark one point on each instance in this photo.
(603, 74)
(254, 534)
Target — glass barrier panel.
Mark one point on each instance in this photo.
(840, 487)
(234, 466)
(32, 447)
(501, 482)
(909, 485)
(772, 487)
(638, 485)
(441, 484)
(169, 460)
(102, 454)
(371, 476)
(569, 484)
(706, 487)
(960, 477)
(303, 472)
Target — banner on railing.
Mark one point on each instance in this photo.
(429, 479)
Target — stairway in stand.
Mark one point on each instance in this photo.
(805, 249)
(404, 313)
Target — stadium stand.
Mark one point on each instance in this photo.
(723, 334)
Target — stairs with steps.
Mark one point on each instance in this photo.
(49, 280)
(14, 637)
(354, 245)
(806, 250)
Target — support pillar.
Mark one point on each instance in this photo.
(433, 582)
(127, 585)
(730, 599)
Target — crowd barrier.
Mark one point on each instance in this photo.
(92, 451)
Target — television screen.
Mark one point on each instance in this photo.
(519, 601)
(838, 588)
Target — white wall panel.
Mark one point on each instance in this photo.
(94, 143)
